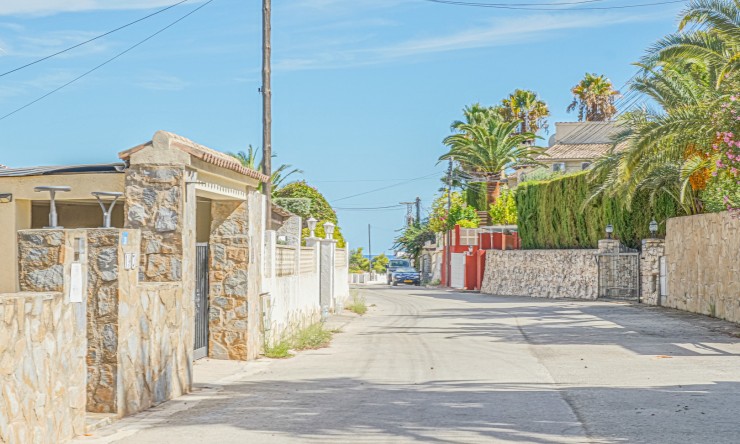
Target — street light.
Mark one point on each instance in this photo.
(609, 231)
(312, 226)
(653, 228)
(329, 230)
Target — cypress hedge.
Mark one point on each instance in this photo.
(552, 215)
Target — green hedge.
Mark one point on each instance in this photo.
(551, 215)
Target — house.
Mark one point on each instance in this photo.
(131, 270)
(575, 145)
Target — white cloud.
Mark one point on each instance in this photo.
(512, 31)
(18, 7)
(162, 82)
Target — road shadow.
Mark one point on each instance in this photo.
(316, 410)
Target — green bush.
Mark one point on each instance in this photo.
(552, 214)
(503, 211)
(300, 206)
(319, 208)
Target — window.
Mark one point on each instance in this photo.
(558, 167)
(585, 165)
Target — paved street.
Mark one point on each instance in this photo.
(440, 367)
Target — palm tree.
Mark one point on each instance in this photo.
(486, 150)
(525, 106)
(279, 175)
(689, 75)
(475, 114)
(594, 98)
(715, 43)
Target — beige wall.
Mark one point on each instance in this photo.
(703, 261)
(16, 215)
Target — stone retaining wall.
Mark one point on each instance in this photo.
(541, 273)
(42, 368)
(703, 265)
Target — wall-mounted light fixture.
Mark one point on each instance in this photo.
(609, 231)
(311, 222)
(6, 197)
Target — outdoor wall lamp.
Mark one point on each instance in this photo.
(329, 230)
(312, 226)
(52, 203)
(653, 228)
(609, 231)
(6, 198)
(106, 211)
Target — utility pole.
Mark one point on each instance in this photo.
(369, 249)
(449, 233)
(267, 108)
(418, 212)
(409, 212)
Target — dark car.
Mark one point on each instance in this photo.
(405, 275)
(395, 264)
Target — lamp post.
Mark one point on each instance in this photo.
(312, 226)
(609, 231)
(653, 228)
(329, 230)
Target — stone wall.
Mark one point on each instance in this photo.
(228, 281)
(155, 204)
(42, 368)
(41, 256)
(652, 251)
(102, 320)
(703, 265)
(541, 273)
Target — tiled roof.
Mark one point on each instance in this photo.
(576, 151)
(201, 152)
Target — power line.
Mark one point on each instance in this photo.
(93, 39)
(524, 7)
(386, 187)
(130, 48)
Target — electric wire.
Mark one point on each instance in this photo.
(130, 48)
(388, 186)
(92, 39)
(539, 8)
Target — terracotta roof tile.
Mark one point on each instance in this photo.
(201, 152)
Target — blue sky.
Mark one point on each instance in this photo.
(364, 90)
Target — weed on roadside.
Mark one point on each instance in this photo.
(312, 337)
(281, 350)
(358, 304)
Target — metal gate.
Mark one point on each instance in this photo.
(201, 301)
(619, 273)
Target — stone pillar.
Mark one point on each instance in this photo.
(160, 202)
(229, 289)
(652, 251)
(326, 274)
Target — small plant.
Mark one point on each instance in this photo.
(435, 283)
(281, 350)
(312, 337)
(358, 305)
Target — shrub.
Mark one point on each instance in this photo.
(503, 211)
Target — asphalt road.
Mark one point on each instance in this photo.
(440, 367)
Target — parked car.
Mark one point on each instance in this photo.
(405, 275)
(395, 264)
